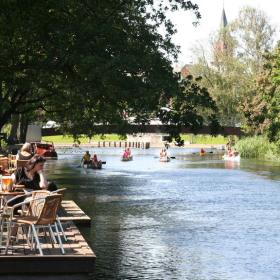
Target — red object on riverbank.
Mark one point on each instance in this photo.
(45, 149)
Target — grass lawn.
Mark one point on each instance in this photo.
(67, 139)
(204, 139)
(189, 138)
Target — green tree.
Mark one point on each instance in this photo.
(263, 111)
(191, 107)
(86, 62)
(236, 57)
(255, 36)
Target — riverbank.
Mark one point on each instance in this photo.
(100, 144)
(191, 140)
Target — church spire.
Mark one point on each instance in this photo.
(223, 19)
(221, 44)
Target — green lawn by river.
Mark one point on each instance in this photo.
(188, 138)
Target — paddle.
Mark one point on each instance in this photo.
(103, 162)
(167, 156)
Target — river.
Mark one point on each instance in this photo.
(193, 218)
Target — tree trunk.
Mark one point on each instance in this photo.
(13, 137)
(23, 128)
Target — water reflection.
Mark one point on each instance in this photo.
(193, 218)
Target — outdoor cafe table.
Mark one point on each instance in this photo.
(5, 195)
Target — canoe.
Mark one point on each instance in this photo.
(232, 158)
(202, 154)
(91, 166)
(164, 159)
(44, 149)
(127, 158)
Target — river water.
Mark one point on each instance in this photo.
(193, 218)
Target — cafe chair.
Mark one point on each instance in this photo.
(62, 192)
(43, 215)
(6, 213)
(4, 162)
(21, 163)
(42, 193)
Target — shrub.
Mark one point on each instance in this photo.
(257, 147)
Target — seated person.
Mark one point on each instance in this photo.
(3, 171)
(86, 158)
(231, 152)
(125, 154)
(128, 152)
(163, 153)
(25, 153)
(32, 176)
(95, 162)
(202, 151)
(228, 146)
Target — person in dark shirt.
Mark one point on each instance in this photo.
(32, 176)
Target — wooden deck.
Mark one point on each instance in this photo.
(72, 212)
(78, 259)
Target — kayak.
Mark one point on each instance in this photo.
(92, 166)
(202, 154)
(164, 159)
(231, 158)
(127, 158)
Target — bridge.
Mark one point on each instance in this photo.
(129, 129)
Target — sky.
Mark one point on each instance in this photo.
(211, 12)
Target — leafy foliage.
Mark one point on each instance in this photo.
(237, 57)
(87, 62)
(257, 147)
(192, 107)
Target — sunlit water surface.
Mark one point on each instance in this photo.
(193, 218)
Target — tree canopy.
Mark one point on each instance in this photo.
(263, 109)
(87, 62)
(235, 62)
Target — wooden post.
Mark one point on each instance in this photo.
(115, 144)
(109, 143)
(120, 144)
(104, 144)
(98, 145)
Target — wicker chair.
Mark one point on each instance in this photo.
(7, 211)
(42, 193)
(21, 163)
(61, 192)
(46, 217)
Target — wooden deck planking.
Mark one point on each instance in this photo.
(72, 212)
(78, 258)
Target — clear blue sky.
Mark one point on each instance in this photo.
(211, 11)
